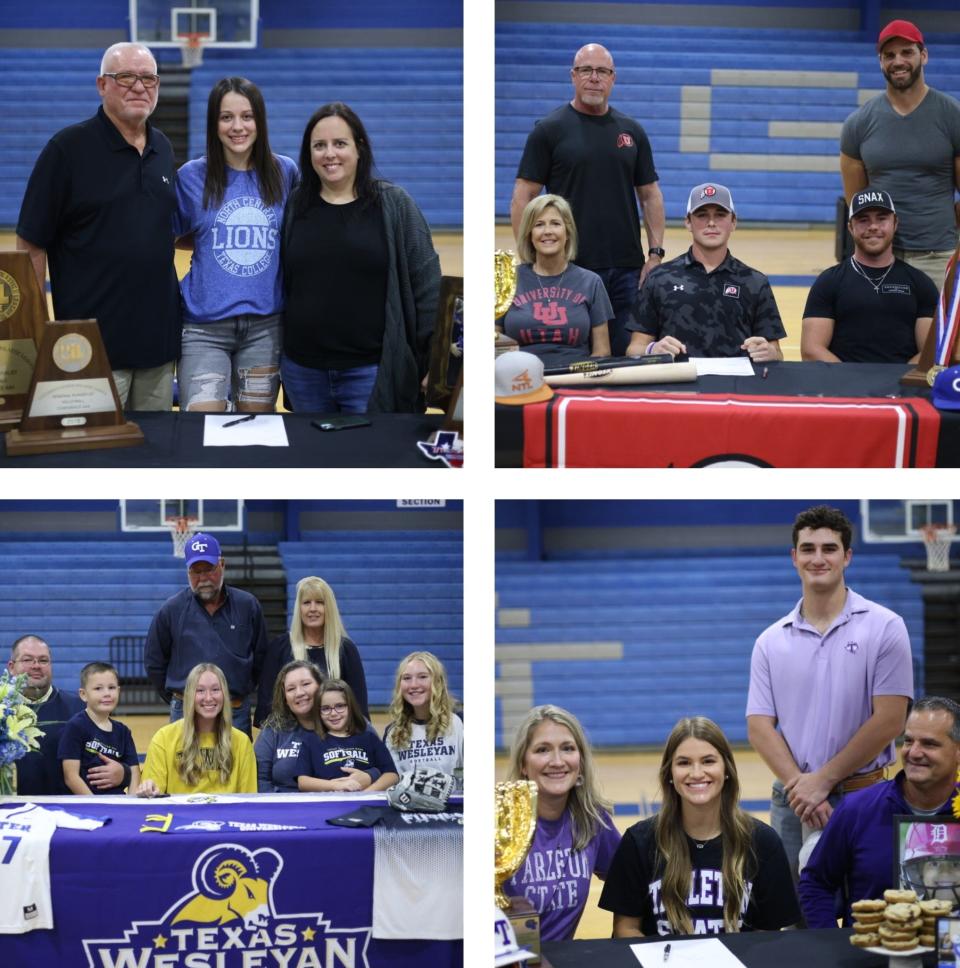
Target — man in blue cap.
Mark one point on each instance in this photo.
(207, 622)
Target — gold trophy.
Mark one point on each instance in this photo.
(504, 289)
(516, 819)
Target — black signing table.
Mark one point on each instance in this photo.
(798, 415)
(824, 948)
(174, 439)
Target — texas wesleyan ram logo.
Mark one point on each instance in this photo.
(228, 920)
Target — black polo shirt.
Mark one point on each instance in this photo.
(711, 313)
(103, 213)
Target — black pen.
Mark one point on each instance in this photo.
(233, 423)
(666, 952)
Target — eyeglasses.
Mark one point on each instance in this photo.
(128, 79)
(604, 73)
(33, 660)
(338, 708)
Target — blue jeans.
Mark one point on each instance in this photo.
(327, 391)
(241, 716)
(236, 359)
(787, 823)
(621, 286)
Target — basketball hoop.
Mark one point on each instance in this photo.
(191, 50)
(182, 529)
(937, 539)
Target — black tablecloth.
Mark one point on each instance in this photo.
(804, 379)
(176, 440)
(827, 948)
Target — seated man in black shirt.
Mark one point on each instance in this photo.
(870, 308)
(706, 302)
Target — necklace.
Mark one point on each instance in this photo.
(540, 280)
(860, 271)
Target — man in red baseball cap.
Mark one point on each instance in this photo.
(906, 142)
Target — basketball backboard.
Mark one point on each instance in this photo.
(220, 23)
(146, 515)
(901, 521)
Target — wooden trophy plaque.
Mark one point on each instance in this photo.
(73, 402)
(927, 367)
(23, 313)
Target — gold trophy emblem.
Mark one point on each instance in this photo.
(504, 281)
(516, 813)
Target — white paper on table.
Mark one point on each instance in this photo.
(265, 430)
(692, 951)
(723, 365)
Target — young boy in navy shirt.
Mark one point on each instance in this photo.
(92, 737)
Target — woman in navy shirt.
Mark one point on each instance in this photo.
(295, 713)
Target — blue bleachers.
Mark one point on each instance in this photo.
(687, 625)
(398, 592)
(654, 67)
(386, 87)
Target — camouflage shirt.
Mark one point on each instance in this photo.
(710, 313)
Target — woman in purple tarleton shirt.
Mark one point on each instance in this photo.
(575, 836)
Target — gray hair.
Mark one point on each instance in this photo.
(117, 48)
(936, 704)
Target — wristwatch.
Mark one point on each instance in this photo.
(657, 250)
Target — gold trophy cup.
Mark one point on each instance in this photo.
(516, 818)
(504, 289)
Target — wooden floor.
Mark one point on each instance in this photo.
(630, 781)
(775, 252)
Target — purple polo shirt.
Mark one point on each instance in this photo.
(820, 687)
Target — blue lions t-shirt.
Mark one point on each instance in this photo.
(235, 268)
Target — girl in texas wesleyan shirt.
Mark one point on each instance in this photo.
(560, 311)
(701, 865)
(345, 755)
(575, 836)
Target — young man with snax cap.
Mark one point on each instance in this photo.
(906, 141)
(872, 307)
(706, 302)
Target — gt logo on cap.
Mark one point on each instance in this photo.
(198, 546)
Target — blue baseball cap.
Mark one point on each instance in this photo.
(202, 547)
(946, 389)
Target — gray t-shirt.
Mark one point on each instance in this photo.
(552, 316)
(912, 158)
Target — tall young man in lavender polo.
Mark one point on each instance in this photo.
(829, 685)
(600, 161)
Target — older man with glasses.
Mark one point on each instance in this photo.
(99, 204)
(597, 158)
(209, 621)
(39, 773)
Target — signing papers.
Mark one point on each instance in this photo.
(722, 365)
(231, 430)
(695, 951)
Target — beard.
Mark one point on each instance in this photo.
(905, 81)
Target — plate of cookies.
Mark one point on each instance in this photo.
(898, 925)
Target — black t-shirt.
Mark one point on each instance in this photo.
(632, 887)
(871, 326)
(104, 214)
(335, 270)
(595, 163)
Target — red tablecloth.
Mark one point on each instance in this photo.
(634, 429)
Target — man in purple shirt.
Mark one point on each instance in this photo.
(855, 851)
(835, 676)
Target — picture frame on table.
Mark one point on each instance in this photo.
(926, 852)
(446, 348)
